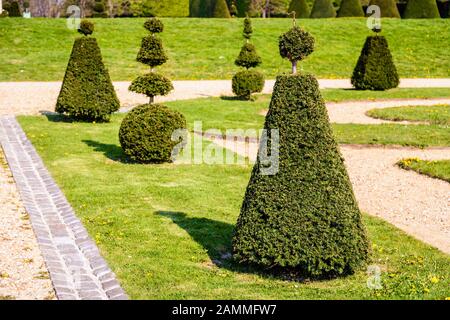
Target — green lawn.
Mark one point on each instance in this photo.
(225, 114)
(38, 49)
(164, 229)
(436, 169)
(438, 114)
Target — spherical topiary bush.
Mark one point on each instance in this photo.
(146, 131)
(296, 45)
(86, 27)
(246, 82)
(151, 84)
(154, 25)
(152, 52)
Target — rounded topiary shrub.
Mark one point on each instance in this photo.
(246, 82)
(375, 69)
(154, 25)
(152, 52)
(86, 27)
(151, 84)
(421, 9)
(388, 8)
(248, 57)
(350, 8)
(146, 131)
(300, 7)
(323, 9)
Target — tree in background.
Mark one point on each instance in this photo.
(388, 8)
(99, 10)
(14, 9)
(323, 9)
(421, 9)
(300, 7)
(350, 8)
(221, 9)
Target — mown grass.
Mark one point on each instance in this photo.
(166, 229)
(439, 169)
(438, 114)
(38, 49)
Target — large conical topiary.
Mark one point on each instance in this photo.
(350, 8)
(375, 69)
(303, 217)
(87, 93)
(388, 8)
(300, 7)
(244, 83)
(323, 9)
(421, 9)
(221, 9)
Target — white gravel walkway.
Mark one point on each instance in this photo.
(415, 203)
(32, 97)
(23, 274)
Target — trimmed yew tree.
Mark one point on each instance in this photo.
(146, 131)
(300, 7)
(323, 9)
(421, 9)
(87, 93)
(303, 218)
(221, 10)
(350, 8)
(375, 69)
(388, 8)
(246, 82)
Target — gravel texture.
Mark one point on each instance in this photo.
(23, 274)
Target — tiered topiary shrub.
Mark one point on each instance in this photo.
(323, 9)
(145, 132)
(350, 8)
(388, 8)
(304, 218)
(375, 69)
(221, 9)
(246, 82)
(421, 9)
(87, 93)
(300, 7)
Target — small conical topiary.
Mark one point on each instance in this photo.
(421, 9)
(300, 7)
(221, 9)
(87, 93)
(304, 216)
(388, 8)
(375, 69)
(244, 83)
(323, 9)
(350, 8)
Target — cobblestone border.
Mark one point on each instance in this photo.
(77, 270)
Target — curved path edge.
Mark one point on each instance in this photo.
(76, 268)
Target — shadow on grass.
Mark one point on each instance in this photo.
(215, 237)
(111, 151)
(56, 117)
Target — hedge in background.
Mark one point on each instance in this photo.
(350, 8)
(303, 218)
(146, 131)
(323, 9)
(300, 7)
(375, 69)
(388, 8)
(14, 9)
(87, 93)
(426, 9)
(221, 10)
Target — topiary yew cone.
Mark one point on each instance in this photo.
(303, 218)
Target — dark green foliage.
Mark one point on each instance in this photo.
(221, 9)
(194, 8)
(248, 29)
(248, 57)
(388, 8)
(418, 9)
(444, 8)
(323, 9)
(350, 8)
(375, 69)
(151, 84)
(244, 83)
(14, 9)
(305, 217)
(146, 131)
(152, 52)
(86, 27)
(296, 44)
(87, 93)
(300, 7)
(154, 25)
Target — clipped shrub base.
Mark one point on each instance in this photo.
(244, 83)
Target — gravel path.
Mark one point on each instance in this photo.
(415, 203)
(23, 274)
(32, 97)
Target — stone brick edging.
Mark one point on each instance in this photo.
(76, 268)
